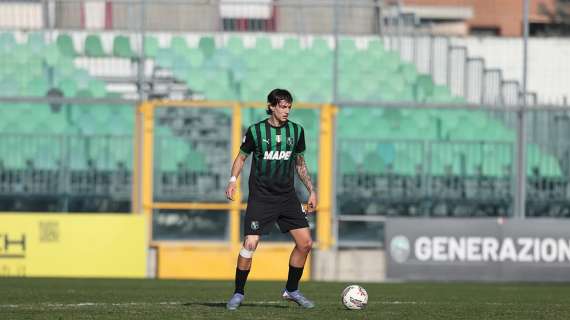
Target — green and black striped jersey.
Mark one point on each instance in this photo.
(274, 152)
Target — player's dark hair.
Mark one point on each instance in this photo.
(277, 95)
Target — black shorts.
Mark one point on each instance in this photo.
(261, 215)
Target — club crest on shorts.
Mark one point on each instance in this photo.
(254, 225)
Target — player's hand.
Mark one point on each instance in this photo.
(230, 190)
(312, 203)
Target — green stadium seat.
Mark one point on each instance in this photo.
(203, 79)
(7, 42)
(48, 153)
(122, 152)
(197, 162)
(84, 93)
(21, 54)
(68, 86)
(65, 45)
(320, 47)
(9, 88)
(375, 47)
(408, 72)
(118, 125)
(65, 67)
(179, 153)
(462, 133)
(423, 88)
(347, 47)
(217, 92)
(22, 79)
(181, 66)
(195, 57)
(178, 45)
(94, 47)
(127, 112)
(389, 62)
(57, 124)
(373, 163)
(363, 62)
(122, 47)
(78, 154)
(207, 45)
(36, 42)
(35, 66)
(150, 46)
(195, 81)
(291, 46)
(165, 58)
(440, 94)
(263, 45)
(550, 166)
(235, 46)
(347, 164)
(82, 77)
(52, 55)
(97, 88)
(37, 87)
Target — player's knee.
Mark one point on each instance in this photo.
(250, 243)
(246, 253)
(305, 245)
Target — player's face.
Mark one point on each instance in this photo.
(281, 110)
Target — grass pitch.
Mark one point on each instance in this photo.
(162, 299)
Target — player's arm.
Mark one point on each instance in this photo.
(236, 170)
(247, 147)
(303, 172)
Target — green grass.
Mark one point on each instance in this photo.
(162, 299)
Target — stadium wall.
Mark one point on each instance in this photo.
(548, 67)
(21, 15)
(79, 245)
(358, 17)
(218, 262)
(367, 265)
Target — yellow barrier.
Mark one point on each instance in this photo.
(72, 245)
(217, 262)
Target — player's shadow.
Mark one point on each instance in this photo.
(223, 305)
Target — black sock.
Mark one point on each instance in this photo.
(241, 277)
(293, 279)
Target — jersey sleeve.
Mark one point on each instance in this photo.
(300, 146)
(247, 144)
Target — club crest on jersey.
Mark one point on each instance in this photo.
(254, 225)
(277, 155)
(290, 141)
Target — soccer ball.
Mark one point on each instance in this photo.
(354, 297)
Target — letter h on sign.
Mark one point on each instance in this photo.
(11, 243)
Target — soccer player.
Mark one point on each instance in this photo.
(277, 145)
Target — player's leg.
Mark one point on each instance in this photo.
(244, 260)
(303, 245)
(259, 217)
(294, 220)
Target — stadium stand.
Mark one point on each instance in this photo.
(410, 152)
